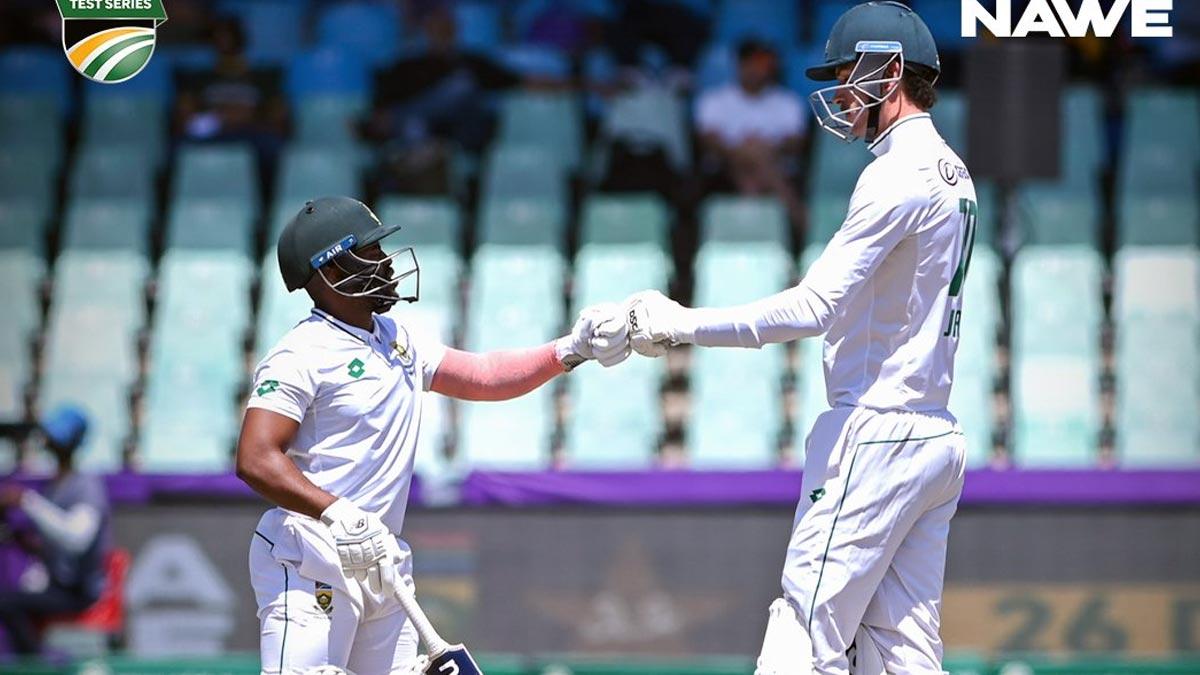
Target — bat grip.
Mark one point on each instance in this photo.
(429, 635)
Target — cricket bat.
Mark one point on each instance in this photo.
(444, 658)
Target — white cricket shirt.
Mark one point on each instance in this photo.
(887, 290)
(358, 397)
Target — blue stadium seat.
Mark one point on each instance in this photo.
(950, 118)
(31, 123)
(1156, 309)
(623, 251)
(525, 172)
(548, 121)
(773, 22)
(1158, 220)
(108, 173)
(825, 14)
(37, 71)
(742, 257)
(510, 435)
(371, 29)
(327, 120)
(226, 171)
(1057, 313)
(536, 61)
(1060, 215)
(196, 364)
(210, 225)
(27, 179)
(328, 71)
(478, 25)
(274, 29)
(944, 20)
(134, 125)
(716, 67)
(103, 224)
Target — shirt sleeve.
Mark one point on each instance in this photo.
(430, 352)
(708, 113)
(883, 211)
(283, 385)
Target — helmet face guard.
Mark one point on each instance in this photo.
(868, 86)
(373, 279)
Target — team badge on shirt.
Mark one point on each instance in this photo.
(403, 347)
(324, 595)
(267, 387)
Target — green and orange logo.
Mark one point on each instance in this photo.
(110, 41)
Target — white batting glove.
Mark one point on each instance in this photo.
(364, 545)
(417, 667)
(654, 322)
(600, 333)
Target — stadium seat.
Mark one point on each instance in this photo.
(536, 61)
(328, 71)
(524, 171)
(1083, 136)
(836, 167)
(548, 121)
(772, 22)
(716, 67)
(27, 181)
(308, 172)
(1057, 313)
(274, 29)
(212, 224)
(950, 118)
(36, 72)
(623, 251)
(1158, 220)
(1060, 215)
(106, 224)
(24, 225)
(326, 120)
(108, 173)
(651, 115)
(196, 366)
(824, 15)
(536, 222)
(1158, 166)
(1168, 116)
(125, 125)
(478, 24)
(515, 297)
(224, 171)
(943, 19)
(511, 435)
(742, 257)
(31, 124)
(975, 362)
(432, 227)
(1156, 309)
(278, 310)
(371, 30)
(21, 273)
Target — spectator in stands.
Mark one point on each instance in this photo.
(233, 102)
(750, 131)
(428, 103)
(70, 519)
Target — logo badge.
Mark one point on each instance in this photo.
(267, 387)
(110, 41)
(356, 368)
(817, 494)
(324, 594)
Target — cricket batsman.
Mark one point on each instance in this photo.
(330, 432)
(884, 466)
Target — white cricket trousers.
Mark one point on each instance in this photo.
(868, 547)
(310, 614)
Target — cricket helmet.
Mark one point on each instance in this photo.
(331, 231)
(870, 37)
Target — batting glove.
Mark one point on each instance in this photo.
(600, 333)
(363, 544)
(654, 322)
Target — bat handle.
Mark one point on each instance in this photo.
(429, 635)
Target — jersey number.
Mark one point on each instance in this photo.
(970, 213)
